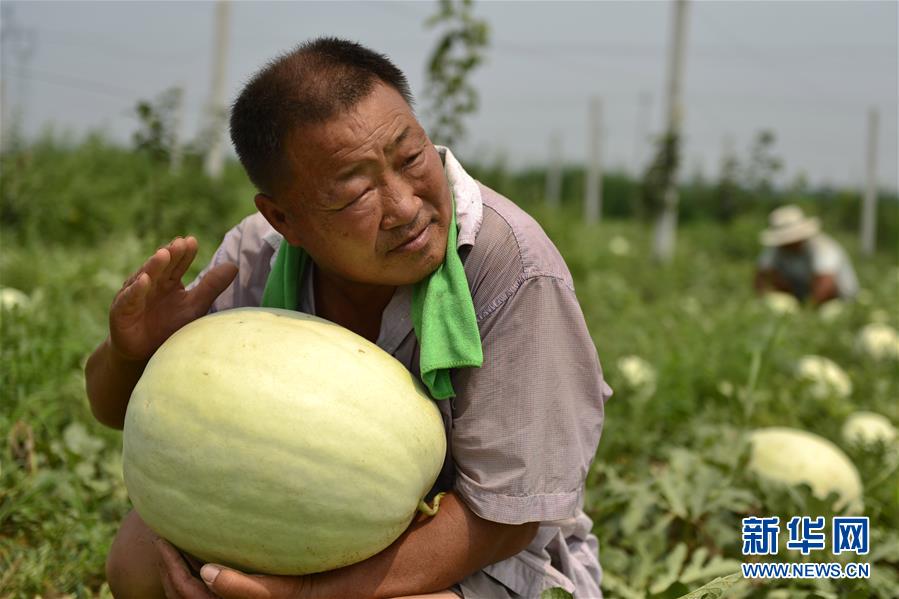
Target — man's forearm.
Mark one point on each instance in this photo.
(824, 288)
(762, 281)
(109, 380)
(766, 280)
(432, 555)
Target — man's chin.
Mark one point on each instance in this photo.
(419, 270)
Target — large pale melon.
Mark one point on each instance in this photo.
(794, 456)
(278, 442)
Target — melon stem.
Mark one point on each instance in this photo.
(430, 510)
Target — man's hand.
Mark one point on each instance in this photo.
(153, 302)
(430, 556)
(219, 582)
(151, 305)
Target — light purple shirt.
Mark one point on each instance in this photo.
(523, 429)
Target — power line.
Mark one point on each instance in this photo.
(110, 47)
(87, 85)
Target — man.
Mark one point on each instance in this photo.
(350, 183)
(800, 260)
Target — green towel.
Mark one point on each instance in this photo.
(442, 311)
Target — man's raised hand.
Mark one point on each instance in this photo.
(153, 303)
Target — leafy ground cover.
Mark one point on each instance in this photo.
(695, 359)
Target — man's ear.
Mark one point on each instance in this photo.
(278, 218)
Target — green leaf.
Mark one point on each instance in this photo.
(673, 565)
(715, 589)
(699, 569)
(616, 587)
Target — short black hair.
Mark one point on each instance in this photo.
(311, 84)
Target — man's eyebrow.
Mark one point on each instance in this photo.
(353, 170)
(399, 139)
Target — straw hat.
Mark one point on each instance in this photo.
(788, 224)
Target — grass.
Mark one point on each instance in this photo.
(669, 485)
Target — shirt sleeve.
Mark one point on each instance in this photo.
(766, 259)
(526, 424)
(827, 259)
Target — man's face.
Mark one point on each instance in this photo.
(369, 200)
(797, 247)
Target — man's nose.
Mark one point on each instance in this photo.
(401, 206)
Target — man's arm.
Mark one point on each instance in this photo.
(433, 554)
(110, 378)
(824, 288)
(767, 279)
(760, 281)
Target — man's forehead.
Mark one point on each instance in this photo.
(377, 124)
(352, 160)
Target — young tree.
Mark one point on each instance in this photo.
(763, 166)
(458, 52)
(157, 131)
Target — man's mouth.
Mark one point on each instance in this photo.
(416, 241)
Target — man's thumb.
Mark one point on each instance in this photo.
(213, 284)
(209, 572)
(231, 584)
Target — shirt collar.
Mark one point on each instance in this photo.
(467, 195)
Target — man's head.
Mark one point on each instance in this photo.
(309, 85)
(344, 169)
(789, 229)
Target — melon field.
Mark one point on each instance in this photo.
(696, 360)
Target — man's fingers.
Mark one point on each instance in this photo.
(176, 249)
(184, 259)
(176, 578)
(212, 284)
(133, 297)
(231, 584)
(157, 264)
(170, 261)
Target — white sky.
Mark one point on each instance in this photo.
(807, 70)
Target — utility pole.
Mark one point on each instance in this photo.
(177, 153)
(21, 43)
(593, 189)
(554, 171)
(644, 108)
(215, 155)
(664, 236)
(5, 30)
(868, 232)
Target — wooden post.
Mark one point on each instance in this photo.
(868, 233)
(593, 188)
(215, 156)
(665, 233)
(177, 153)
(644, 111)
(554, 171)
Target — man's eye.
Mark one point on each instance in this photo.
(354, 200)
(411, 160)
